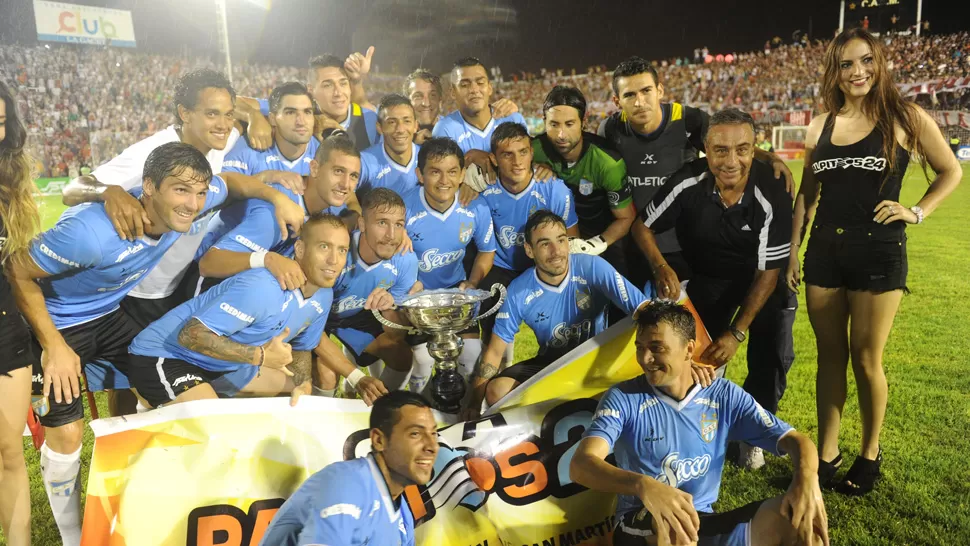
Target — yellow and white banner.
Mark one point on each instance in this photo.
(72, 23)
(214, 472)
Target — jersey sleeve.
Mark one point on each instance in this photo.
(125, 169)
(621, 292)
(751, 423)
(508, 319)
(696, 121)
(774, 244)
(370, 124)
(257, 232)
(336, 515)
(367, 171)
(564, 204)
(217, 195)
(610, 417)
(263, 106)
(484, 228)
(663, 210)
(407, 275)
(68, 246)
(612, 178)
(240, 159)
(244, 301)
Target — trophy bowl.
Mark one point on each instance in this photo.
(443, 310)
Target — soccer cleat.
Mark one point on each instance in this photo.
(751, 457)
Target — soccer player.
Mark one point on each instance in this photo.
(391, 163)
(424, 90)
(440, 229)
(247, 335)
(204, 106)
(359, 501)
(564, 299)
(669, 435)
(655, 140)
(70, 289)
(594, 173)
(374, 277)
(247, 237)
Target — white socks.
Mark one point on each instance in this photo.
(61, 481)
(394, 380)
(469, 357)
(329, 393)
(421, 369)
(509, 354)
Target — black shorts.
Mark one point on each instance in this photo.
(160, 380)
(356, 332)
(501, 276)
(730, 528)
(144, 311)
(102, 346)
(527, 369)
(16, 349)
(861, 259)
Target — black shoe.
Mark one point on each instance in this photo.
(862, 476)
(827, 470)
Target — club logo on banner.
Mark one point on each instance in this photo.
(72, 23)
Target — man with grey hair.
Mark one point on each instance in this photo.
(733, 222)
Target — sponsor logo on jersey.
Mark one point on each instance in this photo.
(765, 416)
(234, 164)
(488, 234)
(375, 508)
(128, 280)
(564, 335)
(613, 197)
(343, 508)
(585, 187)
(621, 286)
(390, 266)
(400, 526)
(132, 250)
(532, 296)
(580, 280)
(707, 402)
(385, 170)
(466, 212)
(708, 426)
(416, 217)
(508, 237)
(647, 404)
(607, 412)
(502, 316)
(675, 471)
(431, 259)
(869, 163)
(244, 241)
(316, 305)
(286, 303)
(465, 232)
(237, 313)
(50, 253)
(583, 300)
(214, 188)
(648, 159)
(348, 303)
(464, 136)
(539, 197)
(185, 378)
(646, 181)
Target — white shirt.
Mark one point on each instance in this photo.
(126, 171)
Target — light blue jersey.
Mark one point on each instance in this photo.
(360, 124)
(358, 279)
(346, 504)
(681, 443)
(440, 238)
(378, 170)
(564, 316)
(510, 212)
(468, 136)
(249, 308)
(92, 268)
(243, 159)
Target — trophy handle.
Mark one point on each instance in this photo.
(501, 299)
(390, 323)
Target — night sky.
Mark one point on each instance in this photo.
(514, 34)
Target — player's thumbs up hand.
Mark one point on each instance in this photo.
(277, 353)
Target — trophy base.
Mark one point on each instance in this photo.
(447, 390)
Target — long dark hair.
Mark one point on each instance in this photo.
(21, 220)
(883, 103)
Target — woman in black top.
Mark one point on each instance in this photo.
(19, 222)
(855, 265)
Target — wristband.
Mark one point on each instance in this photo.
(257, 260)
(355, 377)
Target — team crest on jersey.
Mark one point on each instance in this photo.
(708, 426)
(465, 232)
(585, 187)
(583, 300)
(385, 284)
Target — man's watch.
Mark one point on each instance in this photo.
(738, 334)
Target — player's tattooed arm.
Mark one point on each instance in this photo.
(196, 336)
(301, 366)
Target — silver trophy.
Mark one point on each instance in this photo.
(442, 314)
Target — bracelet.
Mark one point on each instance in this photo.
(659, 267)
(918, 211)
(355, 377)
(257, 259)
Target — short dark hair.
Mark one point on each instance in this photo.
(321, 217)
(631, 67)
(730, 116)
(171, 159)
(680, 319)
(386, 411)
(336, 142)
(390, 101)
(509, 130)
(439, 148)
(285, 90)
(563, 95)
(541, 218)
(327, 60)
(381, 199)
(191, 84)
(422, 74)
(465, 62)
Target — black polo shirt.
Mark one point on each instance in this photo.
(725, 242)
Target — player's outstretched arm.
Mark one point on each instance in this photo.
(219, 263)
(666, 282)
(126, 213)
(287, 212)
(488, 367)
(196, 336)
(802, 504)
(259, 133)
(622, 220)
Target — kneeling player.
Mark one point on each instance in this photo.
(240, 336)
(359, 501)
(670, 435)
(564, 299)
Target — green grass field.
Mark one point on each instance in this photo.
(924, 497)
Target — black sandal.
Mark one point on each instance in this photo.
(827, 470)
(862, 476)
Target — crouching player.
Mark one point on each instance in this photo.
(247, 333)
(670, 435)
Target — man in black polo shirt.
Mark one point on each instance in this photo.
(733, 222)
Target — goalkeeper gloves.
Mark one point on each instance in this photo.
(593, 246)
